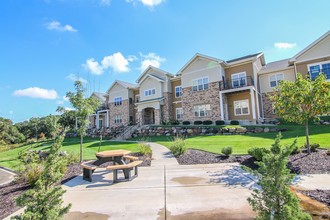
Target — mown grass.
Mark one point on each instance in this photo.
(241, 143)
(10, 159)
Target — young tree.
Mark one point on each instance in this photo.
(275, 200)
(84, 107)
(67, 118)
(45, 200)
(302, 100)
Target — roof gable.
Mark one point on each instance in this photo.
(123, 84)
(195, 58)
(317, 49)
(155, 69)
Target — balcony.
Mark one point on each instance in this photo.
(236, 83)
(314, 73)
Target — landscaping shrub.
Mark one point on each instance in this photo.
(30, 173)
(234, 122)
(178, 146)
(296, 150)
(314, 147)
(186, 122)
(220, 122)
(144, 149)
(207, 122)
(258, 152)
(174, 122)
(227, 151)
(198, 122)
(72, 158)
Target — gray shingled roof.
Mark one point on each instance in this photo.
(274, 66)
(127, 84)
(245, 57)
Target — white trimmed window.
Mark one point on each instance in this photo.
(118, 119)
(149, 92)
(202, 110)
(316, 68)
(200, 84)
(238, 79)
(241, 107)
(178, 91)
(274, 80)
(118, 100)
(179, 113)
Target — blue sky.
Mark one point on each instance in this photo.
(46, 44)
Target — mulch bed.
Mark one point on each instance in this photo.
(301, 163)
(319, 195)
(9, 192)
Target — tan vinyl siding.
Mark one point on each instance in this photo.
(150, 83)
(118, 91)
(321, 49)
(264, 79)
(175, 84)
(248, 68)
(303, 67)
(236, 97)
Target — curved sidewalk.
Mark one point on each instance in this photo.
(162, 156)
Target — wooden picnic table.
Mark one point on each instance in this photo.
(112, 153)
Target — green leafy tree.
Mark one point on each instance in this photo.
(67, 119)
(84, 107)
(275, 200)
(302, 100)
(44, 201)
(9, 133)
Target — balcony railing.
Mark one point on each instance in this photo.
(315, 73)
(236, 83)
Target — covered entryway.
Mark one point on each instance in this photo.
(149, 116)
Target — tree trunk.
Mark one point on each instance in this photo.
(81, 143)
(307, 138)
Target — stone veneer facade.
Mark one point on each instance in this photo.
(210, 96)
(122, 110)
(167, 108)
(268, 106)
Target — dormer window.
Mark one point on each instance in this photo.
(149, 92)
(118, 101)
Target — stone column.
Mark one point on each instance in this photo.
(157, 116)
(253, 104)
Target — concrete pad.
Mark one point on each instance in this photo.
(313, 181)
(6, 176)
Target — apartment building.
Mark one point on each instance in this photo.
(208, 88)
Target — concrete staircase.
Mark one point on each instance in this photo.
(127, 132)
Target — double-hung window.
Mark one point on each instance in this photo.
(179, 113)
(118, 101)
(317, 68)
(200, 84)
(275, 79)
(241, 107)
(202, 110)
(178, 91)
(238, 79)
(118, 119)
(149, 92)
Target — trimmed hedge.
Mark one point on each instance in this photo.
(234, 122)
(207, 122)
(220, 122)
(227, 151)
(198, 122)
(186, 122)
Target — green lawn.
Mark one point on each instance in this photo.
(10, 160)
(241, 143)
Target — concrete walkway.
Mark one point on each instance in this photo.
(6, 176)
(167, 190)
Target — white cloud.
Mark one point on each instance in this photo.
(148, 3)
(66, 98)
(150, 59)
(283, 45)
(93, 66)
(131, 58)
(68, 108)
(105, 2)
(60, 102)
(117, 62)
(36, 92)
(74, 78)
(11, 112)
(55, 25)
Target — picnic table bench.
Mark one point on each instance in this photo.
(121, 161)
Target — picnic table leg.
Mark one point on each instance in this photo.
(120, 160)
(87, 174)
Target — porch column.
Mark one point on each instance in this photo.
(107, 118)
(253, 104)
(97, 120)
(221, 108)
